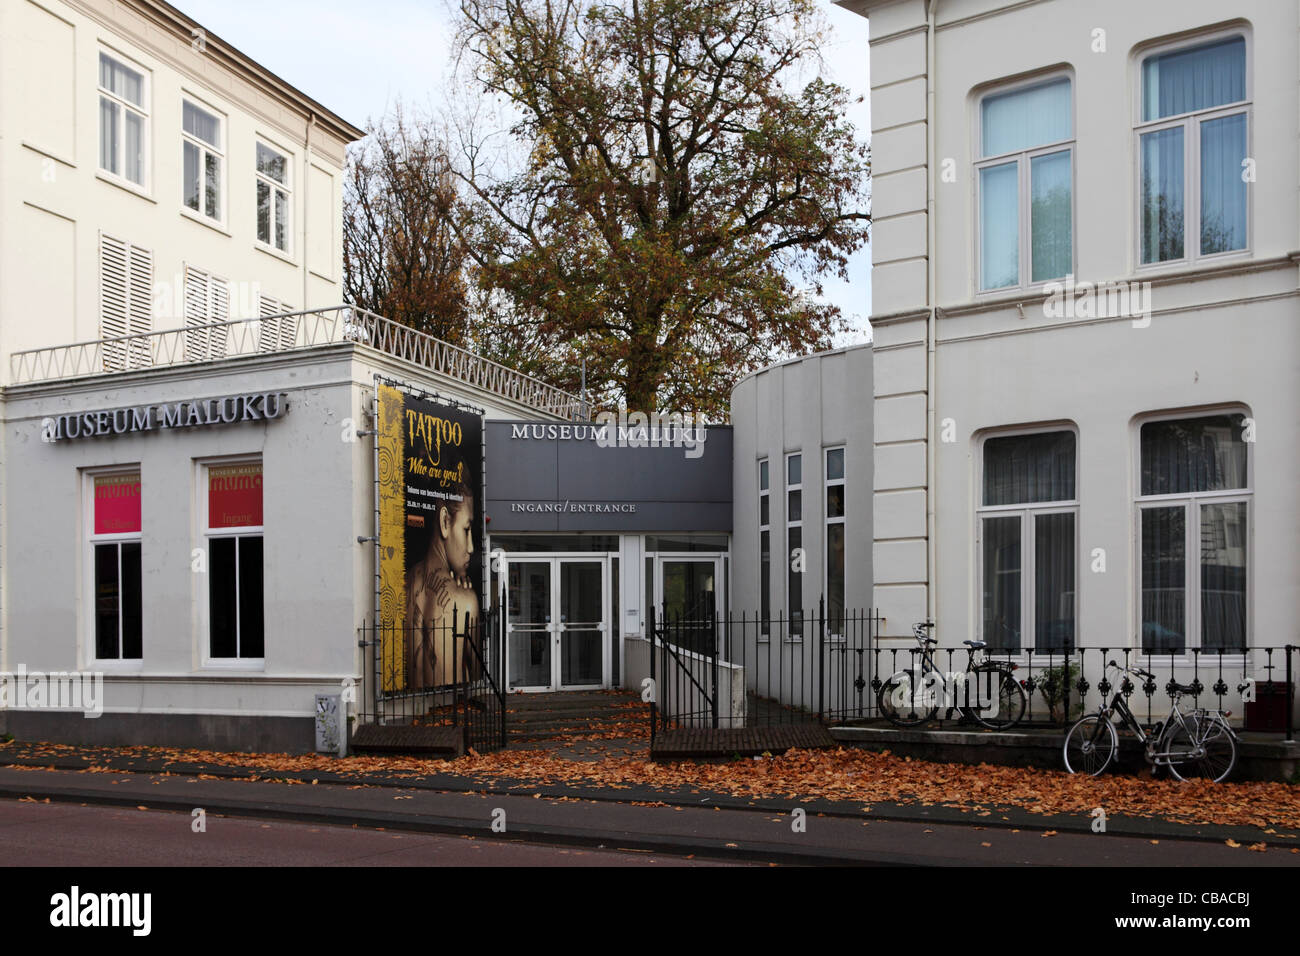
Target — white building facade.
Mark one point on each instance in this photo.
(152, 176)
(1087, 327)
(189, 505)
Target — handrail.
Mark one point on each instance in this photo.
(284, 332)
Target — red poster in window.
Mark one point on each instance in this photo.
(117, 504)
(235, 496)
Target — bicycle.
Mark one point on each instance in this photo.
(1196, 745)
(908, 699)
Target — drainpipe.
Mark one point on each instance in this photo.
(932, 319)
(306, 205)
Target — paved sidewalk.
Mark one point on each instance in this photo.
(92, 762)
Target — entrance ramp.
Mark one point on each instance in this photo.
(696, 743)
(409, 739)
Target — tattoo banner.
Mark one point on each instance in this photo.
(430, 539)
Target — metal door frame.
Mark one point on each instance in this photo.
(719, 581)
(554, 626)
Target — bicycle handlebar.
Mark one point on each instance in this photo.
(1133, 670)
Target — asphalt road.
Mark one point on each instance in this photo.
(70, 835)
(736, 835)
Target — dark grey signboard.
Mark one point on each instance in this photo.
(563, 477)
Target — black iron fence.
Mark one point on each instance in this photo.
(727, 671)
(449, 676)
(743, 670)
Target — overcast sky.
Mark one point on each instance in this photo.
(358, 58)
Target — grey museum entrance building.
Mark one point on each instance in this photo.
(589, 527)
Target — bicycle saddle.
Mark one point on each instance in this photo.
(1189, 689)
(976, 645)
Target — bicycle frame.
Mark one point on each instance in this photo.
(978, 662)
(1161, 733)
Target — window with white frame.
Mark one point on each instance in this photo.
(835, 541)
(203, 152)
(123, 119)
(1194, 497)
(115, 566)
(1024, 176)
(272, 197)
(794, 553)
(1026, 525)
(1193, 135)
(764, 549)
(234, 546)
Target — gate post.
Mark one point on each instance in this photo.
(654, 686)
(821, 659)
(715, 670)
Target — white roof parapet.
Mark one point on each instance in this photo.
(284, 332)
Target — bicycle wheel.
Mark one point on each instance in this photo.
(1090, 745)
(1210, 734)
(904, 702)
(1011, 704)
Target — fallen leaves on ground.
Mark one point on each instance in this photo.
(798, 775)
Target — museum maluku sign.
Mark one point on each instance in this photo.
(192, 413)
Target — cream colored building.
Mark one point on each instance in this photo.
(1087, 327)
(151, 176)
(171, 237)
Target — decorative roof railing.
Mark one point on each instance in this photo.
(285, 332)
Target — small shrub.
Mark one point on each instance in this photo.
(1051, 684)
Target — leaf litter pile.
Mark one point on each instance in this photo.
(843, 775)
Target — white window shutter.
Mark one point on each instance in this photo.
(196, 314)
(218, 311)
(140, 307)
(114, 299)
(277, 330)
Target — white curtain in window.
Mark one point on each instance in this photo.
(1053, 581)
(1050, 216)
(1162, 195)
(1002, 566)
(1164, 579)
(108, 134)
(1223, 575)
(1024, 469)
(1023, 119)
(999, 226)
(1197, 78)
(1223, 191)
(1193, 455)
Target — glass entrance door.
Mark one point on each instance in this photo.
(528, 624)
(690, 597)
(557, 623)
(582, 623)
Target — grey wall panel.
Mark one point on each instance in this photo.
(554, 483)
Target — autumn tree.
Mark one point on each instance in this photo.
(683, 180)
(403, 250)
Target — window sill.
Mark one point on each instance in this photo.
(274, 253)
(250, 664)
(125, 185)
(1015, 292)
(117, 665)
(1176, 268)
(214, 224)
